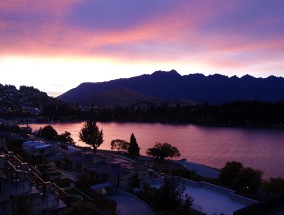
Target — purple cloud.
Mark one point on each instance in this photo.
(252, 19)
(231, 34)
(101, 15)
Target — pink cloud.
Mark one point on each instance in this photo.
(177, 34)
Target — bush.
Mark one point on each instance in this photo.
(48, 132)
(101, 201)
(248, 180)
(65, 182)
(243, 179)
(230, 172)
(274, 186)
(168, 197)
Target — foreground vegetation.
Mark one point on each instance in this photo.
(168, 199)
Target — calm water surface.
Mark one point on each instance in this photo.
(213, 146)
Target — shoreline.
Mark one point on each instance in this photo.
(268, 172)
(225, 125)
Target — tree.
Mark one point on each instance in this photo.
(133, 149)
(243, 179)
(65, 138)
(170, 197)
(120, 145)
(91, 135)
(48, 132)
(274, 186)
(162, 151)
(248, 180)
(230, 172)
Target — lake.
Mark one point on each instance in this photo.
(258, 148)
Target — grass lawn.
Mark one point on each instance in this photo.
(167, 166)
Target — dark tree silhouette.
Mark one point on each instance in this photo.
(133, 149)
(274, 186)
(162, 151)
(65, 138)
(229, 172)
(243, 179)
(248, 180)
(91, 135)
(169, 197)
(120, 145)
(48, 132)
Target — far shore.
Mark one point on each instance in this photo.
(225, 125)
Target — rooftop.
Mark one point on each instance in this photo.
(36, 145)
(272, 206)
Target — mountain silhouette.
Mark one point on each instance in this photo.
(171, 86)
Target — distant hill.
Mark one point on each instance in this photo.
(24, 101)
(121, 96)
(25, 95)
(171, 86)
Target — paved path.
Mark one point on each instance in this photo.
(130, 206)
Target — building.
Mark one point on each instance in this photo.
(22, 191)
(270, 206)
(115, 172)
(35, 148)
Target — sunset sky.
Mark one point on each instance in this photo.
(55, 45)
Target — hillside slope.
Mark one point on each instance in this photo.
(195, 87)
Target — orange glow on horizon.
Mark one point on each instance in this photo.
(57, 75)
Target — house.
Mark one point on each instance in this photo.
(74, 161)
(36, 148)
(115, 171)
(271, 206)
(22, 191)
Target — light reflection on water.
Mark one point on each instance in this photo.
(213, 146)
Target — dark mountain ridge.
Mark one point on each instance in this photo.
(196, 87)
(121, 96)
